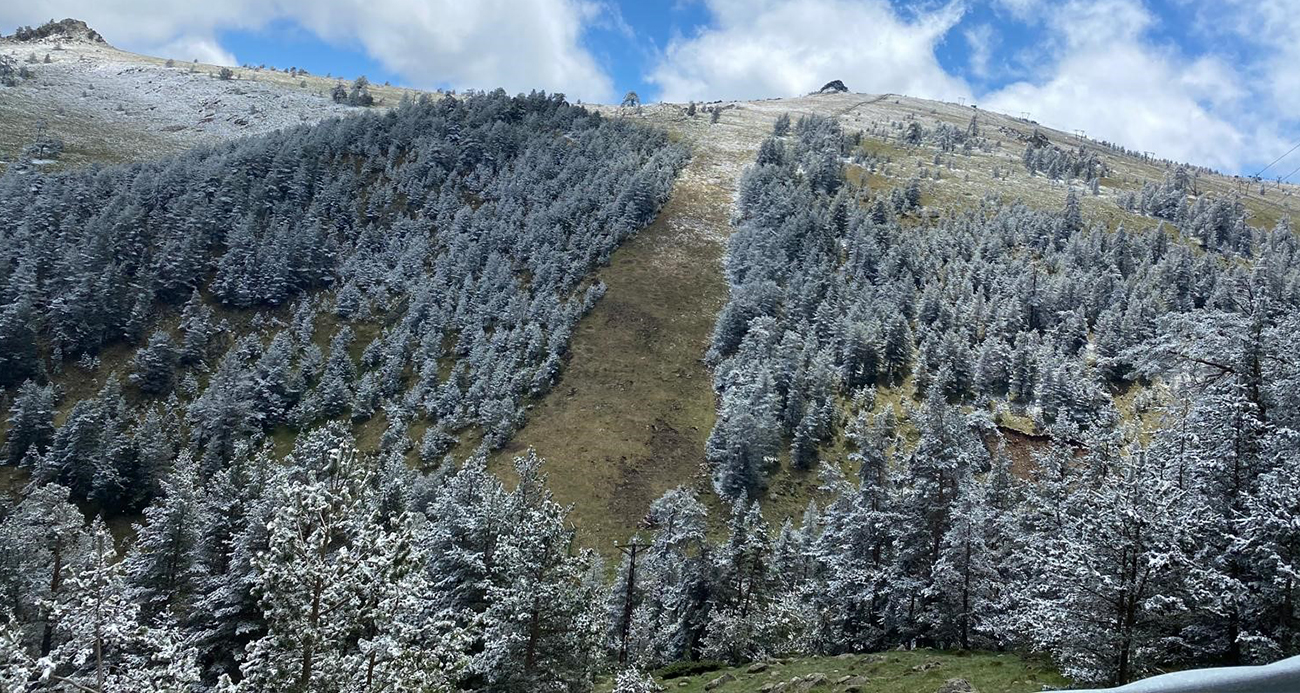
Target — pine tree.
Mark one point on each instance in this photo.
(19, 356)
(101, 643)
(542, 627)
(942, 462)
(1268, 539)
(196, 324)
(745, 438)
(739, 628)
(781, 127)
(43, 537)
(154, 364)
(966, 576)
(334, 392)
(308, 579)
(31, 421)
(162, 565)
(671, 595)
(1108, 588)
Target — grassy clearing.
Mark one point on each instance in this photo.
(916, 671)
(634, 406)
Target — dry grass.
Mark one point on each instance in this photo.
(634, 406)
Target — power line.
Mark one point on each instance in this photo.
(1292, 173)
(1270, 165)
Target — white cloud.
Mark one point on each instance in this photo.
(516, 44)
(200, 48)
(784, 48)
(1020, 9)
(1110, 82)
(1273, 28)
(980, 40)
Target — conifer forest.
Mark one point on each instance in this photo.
(261, 398)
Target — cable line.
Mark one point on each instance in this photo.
(1292, 173)
(1270, 165)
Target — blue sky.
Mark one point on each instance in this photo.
(1207, 81)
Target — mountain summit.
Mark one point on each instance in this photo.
(67, 30)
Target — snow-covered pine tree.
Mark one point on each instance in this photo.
(1108, 592)
(161, 566)
(101, 644)
(543, 626)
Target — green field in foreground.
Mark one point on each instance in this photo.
(916, 671)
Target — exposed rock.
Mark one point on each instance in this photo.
(855, 684)
(833, 87)
(926, 666)
(956, 686)
(65, 30)
(725, 678)
(756, 668)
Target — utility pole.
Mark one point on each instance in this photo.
(629, 550)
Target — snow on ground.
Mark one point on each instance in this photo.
(110, 105)
(962, 179)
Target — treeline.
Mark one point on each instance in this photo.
(1062, 164)
(1114, 555)
(447, 243)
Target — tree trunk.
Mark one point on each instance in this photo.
(309, 647)
(965, 596)
(56, 580)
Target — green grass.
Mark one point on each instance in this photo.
(916, 671)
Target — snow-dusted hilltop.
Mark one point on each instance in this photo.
(110, 105)
(65, 31)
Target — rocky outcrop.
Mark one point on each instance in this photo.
(957, 686)
(67, 31)
(725, 678)
(833, 87)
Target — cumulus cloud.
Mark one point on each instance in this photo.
(1271, 27)
(763, 48)
(1110, 82)
(980, 40)
(204, 49)
(515, 44)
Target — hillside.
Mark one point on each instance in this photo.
(492, 392)
(633, 415)
(109, 105)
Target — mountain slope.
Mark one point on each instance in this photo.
(109, 105)
(924, 374)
